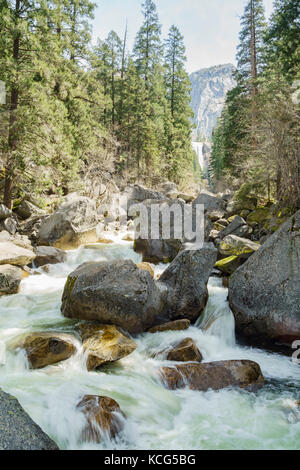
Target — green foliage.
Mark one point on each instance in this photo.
(256, 141)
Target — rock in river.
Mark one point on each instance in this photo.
(213, 375)
(103, 416)
(184, 351)
(104, 344)
(46, 348)
(112, 292)
(184, 283)
(17, 430)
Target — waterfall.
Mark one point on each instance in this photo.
(198, 148)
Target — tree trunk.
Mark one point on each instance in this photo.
(12, 139)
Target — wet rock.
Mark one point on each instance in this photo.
(185, 351)
(73, 224)
(104, 418)
(17, 430)
(146, 267)
(104, 344)
(176, 325)
(112, 292)
(10, 279)
(264, 293)
(46, 348)
(49, 255)
(15, 255)
(184, 283)
(213, 375)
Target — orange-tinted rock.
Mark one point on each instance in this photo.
(213, 375)
(175, 325)
(185, 351)
(104, 344)
(103, 416)
(46, 348)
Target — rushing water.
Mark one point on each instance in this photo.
(156, 417)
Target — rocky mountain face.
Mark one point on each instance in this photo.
(209, 89)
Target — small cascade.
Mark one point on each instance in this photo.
(217, 318)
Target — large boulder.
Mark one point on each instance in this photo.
(214, 206)
(17, 430)
(48, 255)
(184, 283)
(104, 344)
(47, 348)
(112, 292)
(213, 375)
(10, 279)
(104, 418)
(264, 293)
(73, 224)
(15, 255)
(137, 193)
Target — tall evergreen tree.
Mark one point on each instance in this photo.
(250, 52)
(178, 89)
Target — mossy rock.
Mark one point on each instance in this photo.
(228, 265)
(259, 216)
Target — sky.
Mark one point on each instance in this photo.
(210, 27)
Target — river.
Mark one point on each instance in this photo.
(156, 417)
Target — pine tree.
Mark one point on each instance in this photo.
(178, 126)
(148, 57)
(282, 39)
(250, 52)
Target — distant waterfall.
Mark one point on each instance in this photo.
(198, 148)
